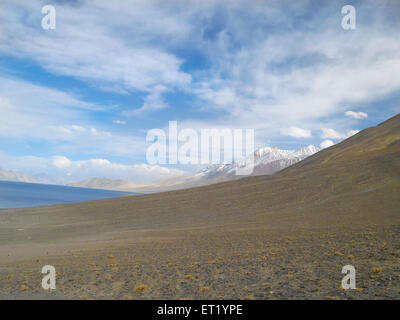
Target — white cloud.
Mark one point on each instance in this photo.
(261, 85)
(33, 114)
(61, 162)
(326, 144)
(352, 133)
(152, 102)
(103, 56)
(96, 132)
(119, 122)
(138, 173)
(60, 169)
(251, 80)
(356, 115)
(329, 133)
(296, 132)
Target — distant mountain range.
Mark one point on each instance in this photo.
(267, 160)
(15, 176)
(102, 183)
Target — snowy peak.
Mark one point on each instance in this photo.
(271, 153)
(267, 160)
(309, 150)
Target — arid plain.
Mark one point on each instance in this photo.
(282, 236)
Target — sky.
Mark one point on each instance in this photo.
(77, 101)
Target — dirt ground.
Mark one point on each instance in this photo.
(199, 264)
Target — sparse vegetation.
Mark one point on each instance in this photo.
(251, 297)
(141, 288)
(204, 289)
(376, 269)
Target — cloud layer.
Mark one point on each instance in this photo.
(61, 170)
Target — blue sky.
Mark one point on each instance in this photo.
(77, 101)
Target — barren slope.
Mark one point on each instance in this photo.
(304, 222)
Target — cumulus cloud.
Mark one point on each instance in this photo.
(296, 132)
(332, 134)
(356, 115)
(61, 162)
(326, 144)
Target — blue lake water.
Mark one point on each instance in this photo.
(21, 194)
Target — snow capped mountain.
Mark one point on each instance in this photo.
(266, 161)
